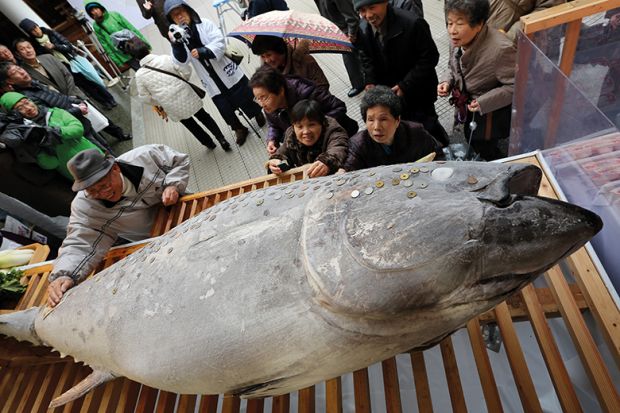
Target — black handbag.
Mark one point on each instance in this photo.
(199, 91)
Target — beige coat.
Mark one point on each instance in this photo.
(489, 69)
(505, 14)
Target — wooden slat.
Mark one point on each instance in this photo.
(516, 359)
(391, 386)
(457, 398)
(551, 354)
(32, 390)
(591, 358)
(67, 378)
(230, 404)
(47, 388)
(128, 397)
(306, 402)
(333, 395)
(208, 403)
(187, 403)
(17, 389)
(361, 389)
(565, 13)
(483, 364)
(571, 38)
(146, 400)
(281, 404)
(599, 299)
(165, 402)
(255, 406)
(420, 380)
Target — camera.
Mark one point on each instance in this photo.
(179, 33)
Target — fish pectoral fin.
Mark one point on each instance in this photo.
(93, 380)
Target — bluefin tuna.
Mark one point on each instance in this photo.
(278, 289)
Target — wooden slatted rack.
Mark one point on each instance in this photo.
(30, 377)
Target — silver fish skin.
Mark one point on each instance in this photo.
(284, 287)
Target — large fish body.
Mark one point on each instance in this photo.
(278, 289)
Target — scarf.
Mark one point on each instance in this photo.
(46, 39)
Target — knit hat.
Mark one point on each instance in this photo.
(88, 167)
(358, 4)
(89, 5)
(27, 25)
(10, 99)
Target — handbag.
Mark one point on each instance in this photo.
(199, 91)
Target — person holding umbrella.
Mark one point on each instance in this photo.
(200, 42)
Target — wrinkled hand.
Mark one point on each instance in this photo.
(273, 166)
(443, 89)
(57, 288)
(83, 108)
(271, 147)
(474, 106)
(195, 54)
(170, 196)
(147, 5)
(369, 86)
(317, 169)
(399, 92)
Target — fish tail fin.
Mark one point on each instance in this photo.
(20, 325)
(93, 380)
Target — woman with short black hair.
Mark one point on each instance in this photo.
(313, 139)
(481, 76)
(387, 139)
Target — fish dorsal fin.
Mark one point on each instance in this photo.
(93, 380)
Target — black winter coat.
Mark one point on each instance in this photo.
(407, 59)
(411, 142)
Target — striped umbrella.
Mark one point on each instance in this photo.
(323, 35)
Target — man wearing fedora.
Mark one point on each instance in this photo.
(115, 197)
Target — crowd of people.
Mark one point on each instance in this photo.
(46, 114)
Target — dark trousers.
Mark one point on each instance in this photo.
(237, 97)
(93, 89)
(354, 68)
(198, 132)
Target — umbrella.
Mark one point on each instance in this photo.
(323, 35)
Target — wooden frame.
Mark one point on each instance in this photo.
(32, 379)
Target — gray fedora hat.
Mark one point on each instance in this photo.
(89, 166)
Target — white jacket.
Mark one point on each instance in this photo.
(94, 227)
(159, 89)
(213, 39)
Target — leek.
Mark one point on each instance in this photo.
(14, 258)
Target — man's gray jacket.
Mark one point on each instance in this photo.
(95, 225)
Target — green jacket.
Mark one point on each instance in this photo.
(112, 23)
(71, 143)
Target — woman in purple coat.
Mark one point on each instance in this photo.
(277, 94)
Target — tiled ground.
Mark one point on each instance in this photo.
(215, 168)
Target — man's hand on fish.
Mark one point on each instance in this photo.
(170, 196)
(57, 288)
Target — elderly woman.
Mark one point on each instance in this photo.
(277, 94)
(387, 139)
(313, 139)
(481, 76)
(289, 60)
(61, 136)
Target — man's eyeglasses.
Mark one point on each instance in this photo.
(262, 99)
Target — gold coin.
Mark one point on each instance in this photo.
(412, 194)
(414, 170)
(395, 181)
(472, 180)
(379, 184)
(404, 176)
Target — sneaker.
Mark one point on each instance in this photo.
(241, 135)
(260, 119)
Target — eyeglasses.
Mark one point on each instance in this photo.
(263, 98)
(100, 186)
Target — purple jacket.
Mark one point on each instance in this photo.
(298, 89)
